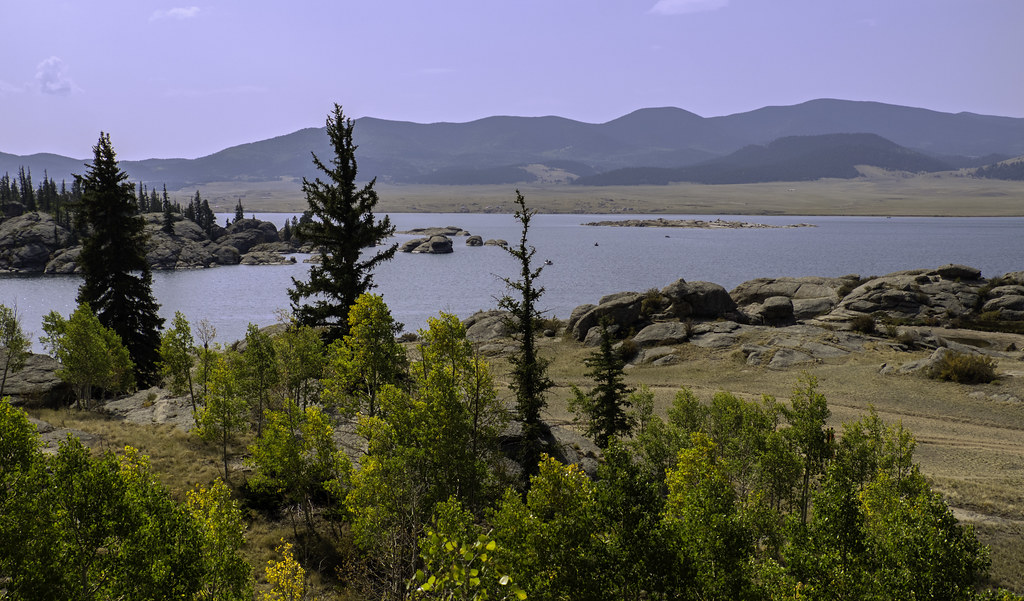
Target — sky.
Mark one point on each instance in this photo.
(186, 78)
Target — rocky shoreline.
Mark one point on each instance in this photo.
(34, 243)
(716, 224)
(770, 323)
(780, 323)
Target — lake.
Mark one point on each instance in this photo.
(586, 263)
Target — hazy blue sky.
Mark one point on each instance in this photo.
(170, 79)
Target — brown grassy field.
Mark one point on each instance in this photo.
(879, 193)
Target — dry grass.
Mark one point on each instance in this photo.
(879, 193)
(1004, 542)
(180, 460)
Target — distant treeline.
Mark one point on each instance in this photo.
(1008, 170)
(18, 195)
(792, 159)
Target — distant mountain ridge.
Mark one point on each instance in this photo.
(502, 149)
(793, 158)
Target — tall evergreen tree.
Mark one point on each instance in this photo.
(344, 225)
(168, 219)
(239, 211)
(603, 409)
(28, 194)
(118, 280)
(529, 369)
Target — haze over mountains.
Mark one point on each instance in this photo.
(654, 145)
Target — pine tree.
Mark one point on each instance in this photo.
(165, 206)
(28, 194)
(207, 218)
(529, 370)
(344, 225)
(118, 280)
(603, 409)
(239, 211)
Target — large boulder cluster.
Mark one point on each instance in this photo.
(35, 243)
(28, 241)
(438, 240)
(434, 245)
(782, 322)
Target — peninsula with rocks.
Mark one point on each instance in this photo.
(34, 243)
(715, 224)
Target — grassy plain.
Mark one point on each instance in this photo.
(879, 193)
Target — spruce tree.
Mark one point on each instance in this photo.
(343, 225)
(118, 280)
(28, 194)
(603, 409)
(529, 369)
(168, 219)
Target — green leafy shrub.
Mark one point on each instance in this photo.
(653, 302)
(864, 324)
(965, 369)
(628, 349)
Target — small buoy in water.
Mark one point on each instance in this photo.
(596, 244)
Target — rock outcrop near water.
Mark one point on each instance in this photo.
(784, 322)
(715, 224)
(35, 243)
(449, 230)
(434, 245)
(29, 241)
(36, 384)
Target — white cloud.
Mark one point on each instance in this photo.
(52, 77)
(682, 7)
(184, 12)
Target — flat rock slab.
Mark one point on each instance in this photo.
(154, 406)
(715, 340)
(51, 436)
(824, 351)
(786, 357)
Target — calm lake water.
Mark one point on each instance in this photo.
(586, 263)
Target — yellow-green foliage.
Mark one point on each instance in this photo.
(964, 368)
(286, 576)
(223, 532)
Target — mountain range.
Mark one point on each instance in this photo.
(653, 145)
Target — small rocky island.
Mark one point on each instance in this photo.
(437, 240)
(716, 224)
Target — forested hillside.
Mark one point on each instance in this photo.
(791, 159)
